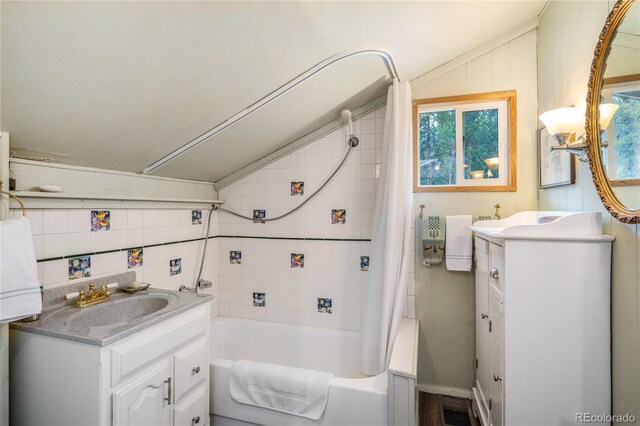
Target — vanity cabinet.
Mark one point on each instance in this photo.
(542, 323)
(157, 376)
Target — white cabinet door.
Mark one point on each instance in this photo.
(482, 319)
(146, 398)
(496, 344)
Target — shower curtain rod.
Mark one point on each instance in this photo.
(386, 57)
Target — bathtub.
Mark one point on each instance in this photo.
(354, 399)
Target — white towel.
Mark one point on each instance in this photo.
(295, 391)
(459, 243)
(19, 286)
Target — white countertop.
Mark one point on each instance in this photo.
(404, 358)
(541, 225)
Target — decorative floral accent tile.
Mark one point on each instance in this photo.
(196, 217)
(79, 267)
(297, 260)
(338, 216)
(259, 299)
(324, 305)
(100, 220)
(134, 258)
(364, 263)
(235, 257)
(259, 214)
(175, 266)
(297, 188)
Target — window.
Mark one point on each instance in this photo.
(621, 158)
(465, 143)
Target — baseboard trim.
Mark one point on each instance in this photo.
(445, 390)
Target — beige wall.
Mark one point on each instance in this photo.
(567, 35)
(445, 300)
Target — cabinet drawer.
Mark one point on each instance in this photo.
(496, 267)
(190, 366)
(194, 410)
(132, 354)
(482, 247)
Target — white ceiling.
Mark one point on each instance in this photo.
(119, 85)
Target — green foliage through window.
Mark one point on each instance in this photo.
(437, 146)
(627, 139)
(480, 141)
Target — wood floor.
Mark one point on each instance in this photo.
(440, 410)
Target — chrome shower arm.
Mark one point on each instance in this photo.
(386, 57)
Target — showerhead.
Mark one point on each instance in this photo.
(353, 140)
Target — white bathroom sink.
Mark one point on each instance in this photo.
(110, 321)
(117, 311)
(539, 224)
(123, 310)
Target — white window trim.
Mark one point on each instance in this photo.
(503, 142)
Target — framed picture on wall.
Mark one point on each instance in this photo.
(557, 167)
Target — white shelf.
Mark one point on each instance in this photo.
(34, 199)
(64, 195)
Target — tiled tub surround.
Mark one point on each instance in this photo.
(331, 271)
(61, 235)
(331, 231)
(352, 190)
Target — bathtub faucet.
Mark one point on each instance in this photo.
(201, 284)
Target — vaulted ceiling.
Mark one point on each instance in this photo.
(119, 85)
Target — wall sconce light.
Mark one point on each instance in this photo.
(607, 111)
(567, 126)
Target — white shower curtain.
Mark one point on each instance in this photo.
(391, 235)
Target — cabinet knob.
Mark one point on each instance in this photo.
(195, 370)
(493, 273)
(497, 378)
(484, 316)
(195, 420)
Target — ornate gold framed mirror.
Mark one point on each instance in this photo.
(613, 113)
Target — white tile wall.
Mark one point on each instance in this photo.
(353, 188)
(67, 232)
(332, 268)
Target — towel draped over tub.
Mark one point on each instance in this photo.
(295, 391)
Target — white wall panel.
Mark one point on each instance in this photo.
(567, 37)
(445, 300)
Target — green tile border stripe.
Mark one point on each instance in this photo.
(95, 253)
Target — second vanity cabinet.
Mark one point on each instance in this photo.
(157, 376)
(542, 318)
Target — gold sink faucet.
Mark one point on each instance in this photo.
(90, 297)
